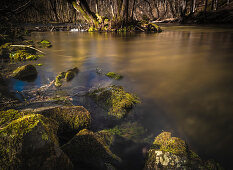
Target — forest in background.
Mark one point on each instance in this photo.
(62, 11)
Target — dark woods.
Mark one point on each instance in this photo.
(64, 11)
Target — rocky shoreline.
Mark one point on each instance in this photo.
(43, 132)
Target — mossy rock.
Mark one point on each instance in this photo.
(23, 55)
(70, 119)
(45, 44)
(68, 76)
(26, 72)
(28, 141)
(59, 79)
(169, 152)
(5, 50)
(113, 75)
(89, 150)
(115, 100)
(151, 27)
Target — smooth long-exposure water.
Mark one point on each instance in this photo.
(184, 77)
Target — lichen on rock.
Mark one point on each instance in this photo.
(88, 149)
(115, 100)
(28, 141)
(26, 72)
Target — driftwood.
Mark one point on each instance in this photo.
(28, 46)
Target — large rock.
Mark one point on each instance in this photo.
(90, 150)
(70, 120)
(115, 100)
(26, 72)
(28, 141)
(173, 153)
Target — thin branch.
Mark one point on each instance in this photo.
(28, 46)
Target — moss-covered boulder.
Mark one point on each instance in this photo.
(68, 76)
(114, 75)
(70, 120)
(115, 100)
(26, 72)
(45, 44)
(23, 55)
(169, 152)
(28, 141)
(89, 150)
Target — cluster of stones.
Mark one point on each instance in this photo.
(30, 140)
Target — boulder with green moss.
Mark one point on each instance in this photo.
(68, 76)
(28, 141)
(5, 51)
(45, 44)
(22, 55)
(70, 120)
(169, 152)
(25, 72)
(89, 150)
(113, 75)
(115, 100)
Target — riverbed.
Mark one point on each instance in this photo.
(183, 77)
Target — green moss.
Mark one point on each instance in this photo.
(24, 72)
(12, 133)
(129, 130)
(177, 146)
(153, 27)
(22, 55)
(68, 76)
(8, 116)
(58, 80)
(70, 119)
(92, 29)
(114, 75)
(90, 149)
(115, 100)
(45, 44)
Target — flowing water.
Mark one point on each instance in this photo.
(184, 77)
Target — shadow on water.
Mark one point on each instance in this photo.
(183, 76)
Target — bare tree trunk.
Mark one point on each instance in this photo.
(157, 8)
(206, 4)
(133, 9)
(96, 6)
(82, 7)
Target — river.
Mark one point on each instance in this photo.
(184, 77)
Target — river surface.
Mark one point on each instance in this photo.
(184, 77)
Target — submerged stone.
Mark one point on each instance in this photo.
(90, 150)
(114, 75)
(26, 72)
(68, 76)
(28, 141)
(115, 100)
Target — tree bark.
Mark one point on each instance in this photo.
(82, 7)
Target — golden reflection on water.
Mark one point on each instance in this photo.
(186, 71)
